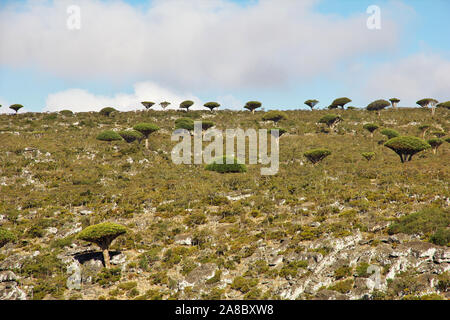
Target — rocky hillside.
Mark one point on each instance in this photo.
(352, 226)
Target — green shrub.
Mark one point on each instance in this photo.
(331, 120)
(184, 123)
(6, 236)
(317, 155)
(361, 269)
(66, 113)
(107, 277)
(109, 135)
(226, 167)
(441, 237)
(243, 285)
(342, 286)
(195, 219)
(406, 146)
(291, 269)
(368, 155)
(148, 258)
(390, 133)
(343, 272)
(432, 222)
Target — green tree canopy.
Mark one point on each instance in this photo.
(311, 103)
(340, 102)
(102, 235)
(109, 135)
(435, 143)
(281, 131)
(317, 155)
(186, 104)
(390, 133)
(131, 135)
(378, 105)
(406, 146)
(148, 104)
(16, 107)
(371, 127)
(107, 111)
(445, 105)
(164, 104)
(275, 116)
(211, 105)
(253, 105)
(146, 129)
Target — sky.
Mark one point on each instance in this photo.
(279, 52)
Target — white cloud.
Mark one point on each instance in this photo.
(187, 44)
(80, 100)
(4, 106)
(411, 79)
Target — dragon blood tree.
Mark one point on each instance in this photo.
(339, 102)
(378, 105)
(186, 104)
(316, 155)
(212, 105)
(394, 102)
(428, 102)
(253, 105)
(146, 129)
(147, 104)
(371, 127)
(102, 235)
(406, 146)
(311, 103)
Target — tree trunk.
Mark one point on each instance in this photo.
(433, 110)
(106, 258)
(253, 111)
(146, 143)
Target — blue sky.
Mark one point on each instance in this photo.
(39, 68)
